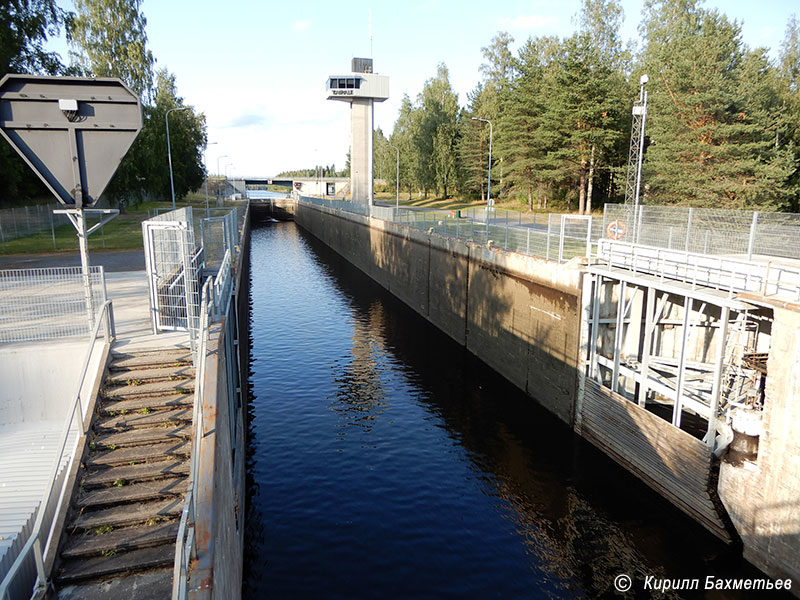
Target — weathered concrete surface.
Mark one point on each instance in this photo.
(517, 313)
(278, 208)
(763, 497)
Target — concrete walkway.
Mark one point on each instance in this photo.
(129, 294)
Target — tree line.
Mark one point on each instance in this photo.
(723, 119)
(107, 39)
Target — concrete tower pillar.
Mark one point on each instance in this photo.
(361, 149)
(361, 88)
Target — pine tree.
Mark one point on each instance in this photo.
(711, 117)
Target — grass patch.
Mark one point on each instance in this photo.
(122, 233)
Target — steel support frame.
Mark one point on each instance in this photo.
(655, 302)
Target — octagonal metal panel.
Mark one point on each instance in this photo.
(75, 152)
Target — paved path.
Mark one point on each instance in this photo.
(112, 261)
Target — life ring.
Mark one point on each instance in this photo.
(616, 230)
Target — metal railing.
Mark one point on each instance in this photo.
(557, 237)
(21, 579)
(184, 544)
(730, 275)
(49, 303)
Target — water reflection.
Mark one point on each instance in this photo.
(435, 477)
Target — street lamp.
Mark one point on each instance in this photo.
(169, 153)
(489, 185)
(397, 178)
(219, 174)
(205, 163)
(230, 164)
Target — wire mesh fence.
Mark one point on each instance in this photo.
(23, 221)
(174, 266)
(551, 236)
(705, 230)
(51, 303)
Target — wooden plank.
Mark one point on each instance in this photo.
(695, 462)
(650, 424)
(668, 460)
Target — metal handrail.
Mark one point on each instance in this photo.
(731, 275)
(184, 544)
(34, 542)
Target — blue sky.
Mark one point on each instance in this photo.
(258, 69)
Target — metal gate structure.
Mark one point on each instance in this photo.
(175, 265)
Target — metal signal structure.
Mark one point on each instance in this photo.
(73, 132)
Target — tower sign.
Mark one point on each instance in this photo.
(361, 88)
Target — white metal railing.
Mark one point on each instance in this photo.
(184, 545)
(48, 303)
(18, 580)
(223, 284)
(718, 272)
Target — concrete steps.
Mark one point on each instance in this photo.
(120, 536)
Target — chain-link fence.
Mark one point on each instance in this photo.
(739, 233)
(51, 303)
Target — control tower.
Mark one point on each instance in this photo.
(361, 88)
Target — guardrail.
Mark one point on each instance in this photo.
(184, 544)
(718, 272)
(19, 580)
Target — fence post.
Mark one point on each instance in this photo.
(689, 228)
(589, 239)
(751, 242)
(549, 227)
(14, 216)
(561, 238)
(528, 242)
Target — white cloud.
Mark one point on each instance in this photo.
(528, 22)
(301, 25)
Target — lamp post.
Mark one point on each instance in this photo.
(169, 152)
(219, 174)
(489, 184)
(230, 164)
(397, 179)
(205, 163)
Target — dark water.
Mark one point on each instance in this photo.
(386, 462)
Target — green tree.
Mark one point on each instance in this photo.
(25, 26)
(523, 138)
(712, 115)
(788, 136)
(145, 169)
(436, 133)
(402, 138)
(110, 41)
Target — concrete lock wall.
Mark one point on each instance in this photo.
(220, 487)
(517, 313)
(763, 497)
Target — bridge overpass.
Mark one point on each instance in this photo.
(311, 186)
